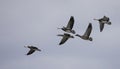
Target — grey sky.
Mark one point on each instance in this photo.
(35, 22)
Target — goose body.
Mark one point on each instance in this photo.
(69, 26)
(102, 21)
(87, 33)
(65, 37)
(32, 49)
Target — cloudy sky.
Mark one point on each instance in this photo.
(35, 22)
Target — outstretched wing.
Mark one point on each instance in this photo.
(70, 23)
(101, 26)
(64, 39)
(30, 52)
(88, 30)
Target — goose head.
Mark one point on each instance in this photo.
(63, 28)
(90, 39)
(73, 31)
(109, 23)
(38, 50)
(71, 36)
(28, 46)
(78, 35)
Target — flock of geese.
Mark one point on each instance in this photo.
(68, 29)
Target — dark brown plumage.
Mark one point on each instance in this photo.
(102, 21)
(65, 37)
(32, 49)
(86, 35)
(69, 26)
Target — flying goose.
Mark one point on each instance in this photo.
(102, 21)
(65, 36)
(32, 49)
(69, 26)
(87, 33)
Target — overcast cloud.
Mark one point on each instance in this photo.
(35, 22)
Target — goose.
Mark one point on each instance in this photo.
(65, 36)
(32, 49)
(87, 33)
(69, 26)
(102, 21)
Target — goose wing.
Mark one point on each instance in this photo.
(101, 26)
(70, 23)
(106, 18)
(64, 39)
(88, 30)
(30, 52)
